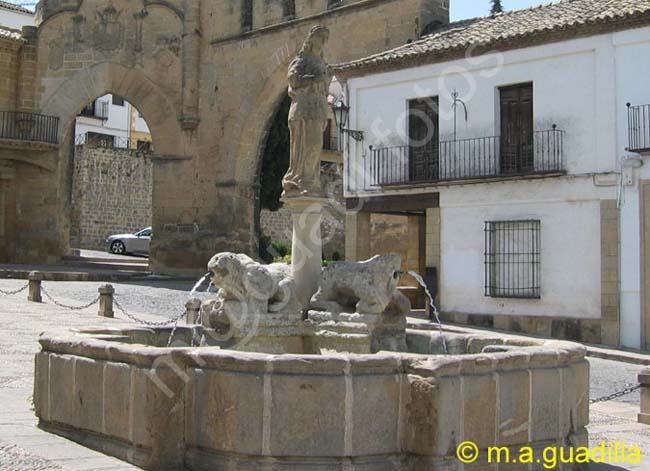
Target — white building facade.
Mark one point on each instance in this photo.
(508, 138)
(113, 122)
(14, 16)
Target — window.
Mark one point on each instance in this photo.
(424, 137)
(247, 15)
(118, 100)
(512, 259)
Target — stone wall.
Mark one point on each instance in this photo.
(111, 194)
(278, 224)
(8, 70)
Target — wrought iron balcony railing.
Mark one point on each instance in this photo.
(467, 159)
(33, 127)
(638, 118)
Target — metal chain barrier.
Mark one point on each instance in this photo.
(18, 291)
(616, 395)
(66, 306)
(147, 323)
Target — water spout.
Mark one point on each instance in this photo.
(434, 309)
(192, 292)
(199, 283)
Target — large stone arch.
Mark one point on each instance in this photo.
(67, 100)
(257, 125)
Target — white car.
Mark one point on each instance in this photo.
(137, 243)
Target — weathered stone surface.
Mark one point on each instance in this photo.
(479, 409)
(88, 398)
(309, 78)
(361, 310)
(255, 287)
(117, 400)
(368, 392)
(41, 385)
(318, 401)
(222, 409)
(363, 287)
(61, 389)
(514, 404)
(229, 411)
(111, 194)
(644, 415)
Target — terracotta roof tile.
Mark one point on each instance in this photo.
(11, 34)
(512, 25)
(14, 7)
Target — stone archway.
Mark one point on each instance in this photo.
(208, 86)
(70, 97)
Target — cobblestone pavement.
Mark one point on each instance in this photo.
(24, 447)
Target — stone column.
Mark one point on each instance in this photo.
(307, 244)
(34, 295)
(106, 301)
(644, 380)
(25, 96)
(191, 63)
(192, 308)
(357, 236)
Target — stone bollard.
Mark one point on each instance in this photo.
(106, 301)
(192, 310)
(644, 380)
(35, 278)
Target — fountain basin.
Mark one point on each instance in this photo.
(122, 392)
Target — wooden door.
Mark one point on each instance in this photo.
(517, 145)
(424, 137)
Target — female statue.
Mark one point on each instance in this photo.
(309, 79)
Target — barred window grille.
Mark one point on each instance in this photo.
(512, 259)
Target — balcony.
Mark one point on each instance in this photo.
(28, 127)
(97, 109)
(468, 159)
(638, 118)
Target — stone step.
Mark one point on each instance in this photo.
(108, 259)
(110, 265)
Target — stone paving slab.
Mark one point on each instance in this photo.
(23, 446)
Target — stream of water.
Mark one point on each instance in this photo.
(434, 309)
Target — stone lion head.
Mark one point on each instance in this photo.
(240, 277)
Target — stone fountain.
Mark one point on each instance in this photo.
(302, 368)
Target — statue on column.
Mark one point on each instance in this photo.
(309, 79)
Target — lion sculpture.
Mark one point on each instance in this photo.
(368, 287)
(262, 288)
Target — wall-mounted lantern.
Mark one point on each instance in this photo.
(341, 116)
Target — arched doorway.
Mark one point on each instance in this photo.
(111, 180)
(132, 85)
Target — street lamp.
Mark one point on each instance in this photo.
(341, 116)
